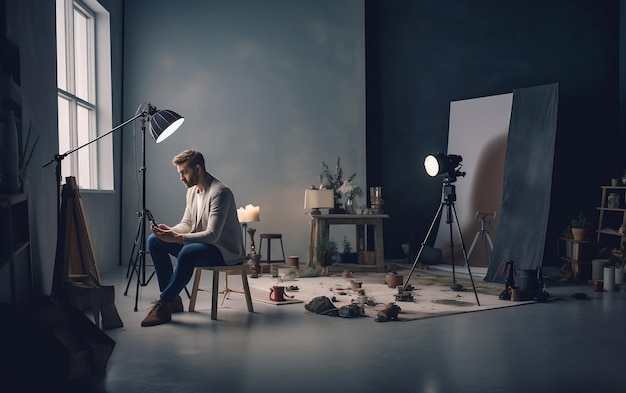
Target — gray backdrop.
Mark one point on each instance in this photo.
(527, 180)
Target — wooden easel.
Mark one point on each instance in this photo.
(76, 276)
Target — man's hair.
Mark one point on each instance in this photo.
(191, 157)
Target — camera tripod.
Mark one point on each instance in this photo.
(482, 232)
(449, 196)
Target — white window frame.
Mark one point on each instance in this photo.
(92, 165)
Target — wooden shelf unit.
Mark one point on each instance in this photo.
(611, 220)
(579, 254)
(15, 258)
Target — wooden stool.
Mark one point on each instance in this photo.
(241, 269)
(269, 237)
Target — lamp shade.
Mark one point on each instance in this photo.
(319, 199)
(163, 123)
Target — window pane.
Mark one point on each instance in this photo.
(81, 53)
(77, 23)
(61, 49)
(84, 160)
(64, 134)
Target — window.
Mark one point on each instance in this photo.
(84, 92)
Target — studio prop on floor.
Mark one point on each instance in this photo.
(427, 295)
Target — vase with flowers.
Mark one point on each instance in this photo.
(350, 191)
(333, 181)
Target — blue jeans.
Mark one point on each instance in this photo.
(172, 281)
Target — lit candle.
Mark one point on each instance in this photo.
(255, 212)
(241, 215)
(249, 214)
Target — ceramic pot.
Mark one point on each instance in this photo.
(579, 233)
(393, 280)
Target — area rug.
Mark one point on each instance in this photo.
(432, 295)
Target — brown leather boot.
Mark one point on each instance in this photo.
(176, 306)
(158, 314)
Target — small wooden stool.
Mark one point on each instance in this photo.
(242, 269)
(269, 237)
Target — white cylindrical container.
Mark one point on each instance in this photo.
(613, 201)
(609, 278)
(619, 276)
(596, 268)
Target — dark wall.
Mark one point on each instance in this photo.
(421, 55)
(31, 27)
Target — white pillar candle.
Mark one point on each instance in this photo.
(249, 214)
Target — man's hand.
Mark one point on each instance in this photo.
(162, 227)
(166, 234)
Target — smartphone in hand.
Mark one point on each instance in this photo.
(150, 218)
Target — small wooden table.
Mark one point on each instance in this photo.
(320, 227)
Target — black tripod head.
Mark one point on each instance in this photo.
(449, 192)
(449, 189)
(451, 178)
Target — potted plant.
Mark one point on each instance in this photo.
(580, 225)
(347, 256)
(327, 250)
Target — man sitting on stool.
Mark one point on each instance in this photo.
(209, 234)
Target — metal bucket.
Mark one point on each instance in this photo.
(527, 281)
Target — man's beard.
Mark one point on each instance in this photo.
(193, 181)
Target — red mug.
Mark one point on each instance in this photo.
(277, 293)
(598, 286)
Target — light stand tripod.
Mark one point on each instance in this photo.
(449, 196)
(482, 232)
(137, 262)
(162, 124)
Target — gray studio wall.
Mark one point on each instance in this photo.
(31, 25)
(269, 90)
(424, 54)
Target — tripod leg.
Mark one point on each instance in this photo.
(432, 225)
(133, 269)
(132, 252)
(464, 253)
(134, 272)
(488, 250)
(138, 267)
(469, 253)
(138, 283)
(449, 220)
(490, 242)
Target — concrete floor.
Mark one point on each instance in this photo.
(566, 345)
